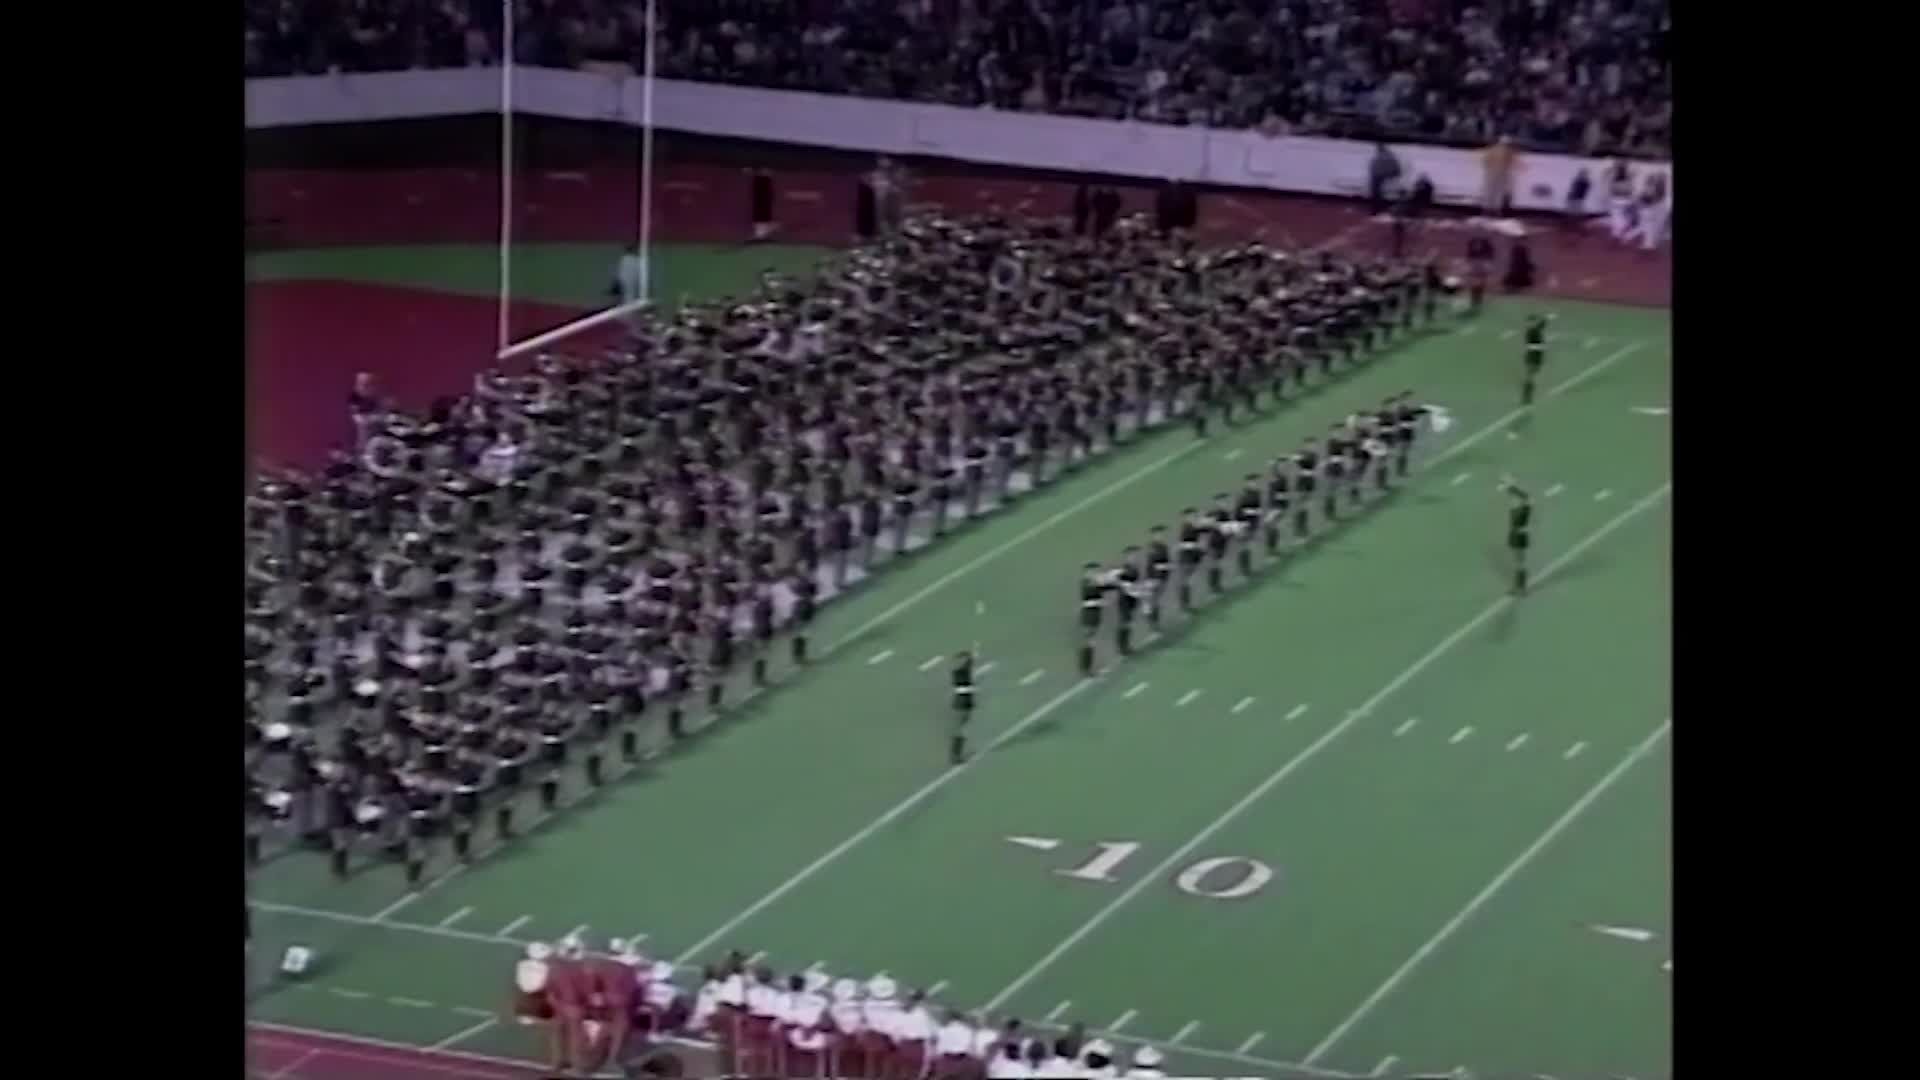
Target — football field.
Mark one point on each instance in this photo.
(1362, 815)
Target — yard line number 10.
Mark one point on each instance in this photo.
(1222, 877)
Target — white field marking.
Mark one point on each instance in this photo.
(1123, 1020)
(578, 932)
(1252, 1041)
(762, 955)
(934, 990)
(514, 925)
(1057, 1010)
(1469, 329)
(1232, 454)
(1593, 343)
(1506, 335)
(294, 1066)
(1555, 490)
(1297, 711)
(464, 1034)
(1451, 926)
(1519, 741)
(1242, 704)
(880, 657)
(456, 916)
(634, 941)
(1462, 478)
(930, 664)
(1603, 495)
(355, 994)
(988, 666)
(1032, 677)
(1461, 735)
(1653, 410)
(1625, 933)
(1574, 751)
(1405, 727)
(1385, 1064)
(468, 1010)
(1666, 965)
(390, 909)
(1186, 698)
(1179, 855)
(1181, 1035)
(1037, 843)
(1135, 689)
(411, 1003)
(833, 854)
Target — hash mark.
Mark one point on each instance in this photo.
(1461, 479)
(880, 657)
(514, 925)
(411, 1003)
(988, 666)
(355, 994)
(1057, 1010)
(1555, 490)
(1297, 711)
(1243, 703)
(1123, 1020)
(1032, 677)
(1252, 1041)
(1603, 495)
(1461, 735)
(1186, 698)
(456, 916)
(1406, 727)
(1518, 741)
(931, 664)
(1574, 751)
(1137, 688)
(1185, 1031)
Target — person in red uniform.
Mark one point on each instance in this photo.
(570, 989)
(530, 1003)
(614, 987)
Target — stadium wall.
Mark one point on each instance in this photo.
(1142, 151)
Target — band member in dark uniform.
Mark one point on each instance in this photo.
(1536, 355)
(1127, 582)
(1519, 528)
(1248, 511)
(962, 705)
(1190, 548)
(762, 203)
(1159, 570)
(1093, 600)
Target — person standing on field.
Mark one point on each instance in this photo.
(1499, 162)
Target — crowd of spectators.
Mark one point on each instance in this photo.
(1586, 76)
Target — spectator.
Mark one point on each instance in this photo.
(1498, 162)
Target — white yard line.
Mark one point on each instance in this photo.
(456, 916)
(1181, 1035)
(1186, 698)
(394, 908)
(1242, 704)
(930, 664)
(1297, 711)
(463, 1035)
(880, 657)
(1032, 677)
(1446, 645)
(1252, 1041)
(1135, 690)
(1499, 881)
(514, 925)
(294, 1067)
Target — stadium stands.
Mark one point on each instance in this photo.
(1582, 76)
